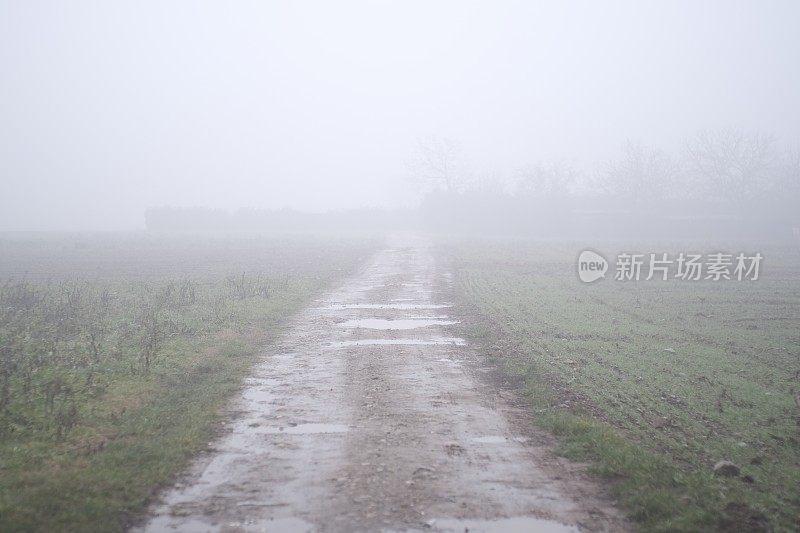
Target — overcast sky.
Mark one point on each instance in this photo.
(109, 107)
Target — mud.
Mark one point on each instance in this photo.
(402, 307)
(433, 341)
(402, 323)
(347, 427)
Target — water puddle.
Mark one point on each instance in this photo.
(304, 429)
(497, 439)
(399, 306)
(406, 323)
(519, 524)
(287, 525)
(261, 382)
(284, 356)
(452, 341)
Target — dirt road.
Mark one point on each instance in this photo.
(372, 416)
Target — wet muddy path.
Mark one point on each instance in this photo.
(370, 415)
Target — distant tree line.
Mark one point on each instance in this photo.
(724, 184)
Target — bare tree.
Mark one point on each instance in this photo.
(437, 163)
(787, 196)
(789, 183)
(732, 165)
(546, 180)
(641, 174)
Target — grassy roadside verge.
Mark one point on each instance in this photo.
(651, 383)
(89, 431)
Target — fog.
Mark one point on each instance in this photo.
(110, 109)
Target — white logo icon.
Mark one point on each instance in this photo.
(591, 266)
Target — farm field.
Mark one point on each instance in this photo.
(118, 352)
(652, 382)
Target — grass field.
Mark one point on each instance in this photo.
(653, 382)
(118, 352)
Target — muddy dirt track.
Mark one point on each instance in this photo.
(370, 415)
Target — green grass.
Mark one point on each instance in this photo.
(653, 382)
(91, 455)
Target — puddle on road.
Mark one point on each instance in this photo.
(519, 524)
(400, 306)
(497, 439)
(284, 525)
(404, 323)
(304, 429)
(453, 341)
(287, 356)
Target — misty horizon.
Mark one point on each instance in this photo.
(107, 111)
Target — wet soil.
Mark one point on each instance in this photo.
(371, 416)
